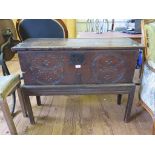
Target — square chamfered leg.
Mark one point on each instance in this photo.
(28, 107)
(38, 100)
(119, 98)
(129, 104)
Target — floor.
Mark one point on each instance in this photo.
(79, 115)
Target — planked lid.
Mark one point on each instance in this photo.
(47, 44)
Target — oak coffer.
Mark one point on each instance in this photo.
(77, 61)
(78, 66)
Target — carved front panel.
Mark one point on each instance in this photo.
(109, 68)
(78, 67)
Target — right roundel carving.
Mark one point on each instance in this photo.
(108, 68)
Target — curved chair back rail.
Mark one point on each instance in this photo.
(7, 32)
(41, 28)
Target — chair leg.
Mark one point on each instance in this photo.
(129, 105)
(119, 98)
(5, 69)
(153, 130)
(38, 100)
(22, 102)
(8, 118)
(13, 103)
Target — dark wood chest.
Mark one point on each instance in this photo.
(77, 61)
(78, 66)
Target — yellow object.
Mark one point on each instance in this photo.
(71, 27)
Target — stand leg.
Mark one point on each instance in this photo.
(119, 98)
(38, 100)
(22, 102)
(29, 108)
(129, 105)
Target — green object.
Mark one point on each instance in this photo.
(7, 84)
(150, 30)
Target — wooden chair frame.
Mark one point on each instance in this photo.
(9, 39)
(6, 111)
(146, 44)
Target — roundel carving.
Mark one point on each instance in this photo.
(49, 71)
(108, 68)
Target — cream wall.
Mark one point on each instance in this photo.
(70, 24)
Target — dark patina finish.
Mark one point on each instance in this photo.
(79, 66)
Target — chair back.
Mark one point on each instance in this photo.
(7, 29)
(147, 89)
(41, 28)
(145, 37)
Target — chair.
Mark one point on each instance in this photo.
(8, 39)
(41, 28)
(147, 89)
(8, 84)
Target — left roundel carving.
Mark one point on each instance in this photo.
(108, 68)
(47, 70)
